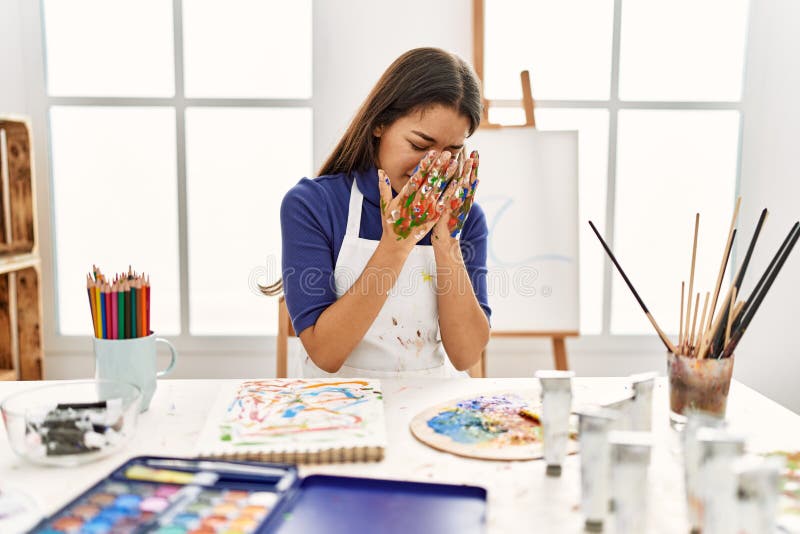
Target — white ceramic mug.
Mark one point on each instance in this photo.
(132, 361)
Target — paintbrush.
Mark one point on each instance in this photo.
(724, 262)
(737, 283)
(753, 303)
(771, 265)
(660, 332)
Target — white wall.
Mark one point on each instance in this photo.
(768, 357)
(354, 42)
(12, 78)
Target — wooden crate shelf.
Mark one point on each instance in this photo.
(21, 351)
(19, 215)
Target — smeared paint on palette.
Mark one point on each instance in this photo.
(501, 426)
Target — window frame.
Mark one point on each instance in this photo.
(32, 14)
(613, 106)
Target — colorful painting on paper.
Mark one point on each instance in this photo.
(322, 410)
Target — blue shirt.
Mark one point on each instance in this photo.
(313, 224)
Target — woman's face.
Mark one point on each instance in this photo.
(403, 143)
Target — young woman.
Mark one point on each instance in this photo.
(384, 254)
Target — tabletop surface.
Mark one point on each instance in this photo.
(519, 493)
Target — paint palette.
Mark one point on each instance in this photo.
(500, 426)
(191, 497)
(194, 496)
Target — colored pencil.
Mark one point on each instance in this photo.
(121, 311)
(114, 331)
(660, 332)
(128, 310)
(90, 294)
(134, 310)
(103, 322)
(99, 319)
(147, 305)
(140, 300)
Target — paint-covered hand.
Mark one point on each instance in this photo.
(409, 216)
(452, 221)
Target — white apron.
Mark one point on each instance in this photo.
(403, 341)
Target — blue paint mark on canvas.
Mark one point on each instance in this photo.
(505, 205)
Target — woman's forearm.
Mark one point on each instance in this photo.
(462, 322)
(345, 322)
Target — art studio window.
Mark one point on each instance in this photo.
(654, 90)
(168, 154)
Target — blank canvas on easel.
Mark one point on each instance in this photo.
(529, 191)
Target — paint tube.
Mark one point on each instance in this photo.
(556, 406)
(635, 410)
(758, 482)
(695, 420)
(630, 460)
(595, 424)
(641, 408)
(717, 482)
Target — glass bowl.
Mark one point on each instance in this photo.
(71, 423)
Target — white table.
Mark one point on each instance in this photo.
(521, 497)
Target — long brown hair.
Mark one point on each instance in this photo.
(420, 78)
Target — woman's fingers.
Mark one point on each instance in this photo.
(464, 196)
(434, 180)
(420, 173)
(385, 188)
(476, 161)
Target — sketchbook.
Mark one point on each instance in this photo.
(296, 421)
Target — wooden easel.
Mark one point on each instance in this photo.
(558, 337)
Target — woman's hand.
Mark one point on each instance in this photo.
(418, 207)
(452, 220)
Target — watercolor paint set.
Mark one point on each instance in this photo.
(163, 495)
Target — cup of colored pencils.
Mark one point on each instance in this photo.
(121, 306)
(700, 364)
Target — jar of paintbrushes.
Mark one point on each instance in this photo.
(700, 365)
